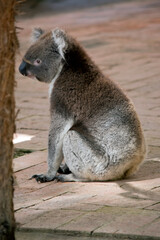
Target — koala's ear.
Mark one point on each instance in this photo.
(59, 37)
(37, 32)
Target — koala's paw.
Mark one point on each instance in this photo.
(61, 178)
(42, 178)
(64, 169)
(67, 178)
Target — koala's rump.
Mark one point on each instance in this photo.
(105, 147)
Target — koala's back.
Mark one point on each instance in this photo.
(107, 137)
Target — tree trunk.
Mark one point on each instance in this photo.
(8, 45)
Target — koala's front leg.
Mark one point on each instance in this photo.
(59, 127)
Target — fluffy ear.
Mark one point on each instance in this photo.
(59, 37)
(37, 32)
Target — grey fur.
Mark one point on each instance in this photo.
(94, 126)
(37, 32)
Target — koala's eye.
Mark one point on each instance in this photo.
(37, 62)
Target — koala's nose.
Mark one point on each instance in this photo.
(22, 68)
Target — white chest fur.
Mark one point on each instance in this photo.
(51, 85)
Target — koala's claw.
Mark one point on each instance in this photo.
(42, 178)
(60, 178)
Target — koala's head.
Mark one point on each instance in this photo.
(45, 56)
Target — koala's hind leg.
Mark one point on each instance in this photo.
(70, 178)
(81, 159)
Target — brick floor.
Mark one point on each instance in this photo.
(123, 39)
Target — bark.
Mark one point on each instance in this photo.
(8, 45)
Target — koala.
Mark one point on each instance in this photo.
(94, 126)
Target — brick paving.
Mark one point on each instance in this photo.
(123, 39)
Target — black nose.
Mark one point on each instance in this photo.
(22, 68)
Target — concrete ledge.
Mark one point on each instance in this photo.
(41, 234)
